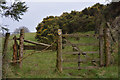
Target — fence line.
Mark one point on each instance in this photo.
(104, 43)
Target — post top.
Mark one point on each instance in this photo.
(59, 31)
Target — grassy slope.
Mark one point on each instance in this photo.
(43, 65)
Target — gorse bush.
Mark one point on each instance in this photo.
(89, 19)
(47, 35)
(69, 23)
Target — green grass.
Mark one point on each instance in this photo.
(43, 65)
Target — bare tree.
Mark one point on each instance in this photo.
(17, 30)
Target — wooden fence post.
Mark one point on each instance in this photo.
(79, 61)
(101, 45)
(15, 49)
(5, 47)
(4, 59)
(21, 46)
(107, 47)
(118, 48)
(59, 51)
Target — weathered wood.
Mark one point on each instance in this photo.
(73, 60)
(109, 26)
(32, 42)
(21, 45)
(4, 58)
(87, 52)
(94, 63)
(15, 50)
(74, 46)
(78, 35)
(33, 47)
(81, 60)
(82, 44)
(88, 67)
(119, 48)
(5, 46)
(59, 51)
(70, 68)
(101, 45)
(36, 47)
(107, 47)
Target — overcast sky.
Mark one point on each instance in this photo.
(39, 10)
(63, 0)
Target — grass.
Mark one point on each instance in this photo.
(43, 65)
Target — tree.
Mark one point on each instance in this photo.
(14, 11)
(17, 30)
(4, 30)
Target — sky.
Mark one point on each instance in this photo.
(63, 0)
(38, 10)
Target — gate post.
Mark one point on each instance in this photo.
(15, 50)
(59, 51)
(5, 47)
(4, 53)
(101, 45)
(21, 46)
(107, 47)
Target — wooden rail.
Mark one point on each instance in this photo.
(82, 44)
(35, 47)
(81, 60)
(35, 42)
(88, 67)
(110, 28)
(79, 35)
(87, 52)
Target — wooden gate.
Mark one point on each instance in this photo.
(100, 42)
(18, 49)
(82, 56)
